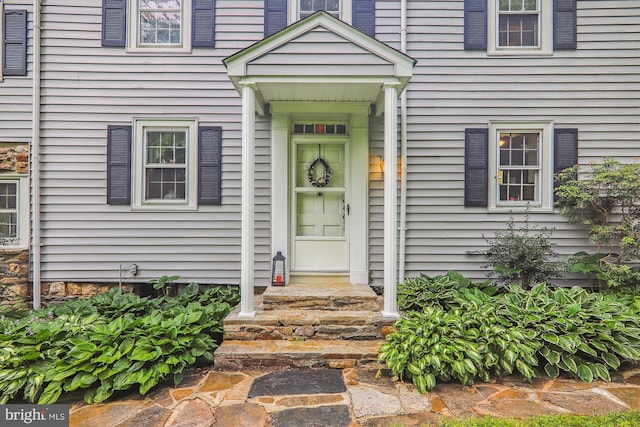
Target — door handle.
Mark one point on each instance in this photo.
(348, 209)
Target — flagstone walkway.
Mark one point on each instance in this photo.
(348, 398)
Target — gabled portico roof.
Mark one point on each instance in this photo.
(319, 58)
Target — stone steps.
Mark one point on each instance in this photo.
(334, 325)
(306, 324)
(236, 354)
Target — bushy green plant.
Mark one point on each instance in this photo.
(475, 335)
(523, 255)
(443, 290)
(110, 342)
(606, 198)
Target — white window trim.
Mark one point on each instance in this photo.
(132, 31)
(22, 207)
(545, 33)
(345, 14)
(191, 190)
(545, 186)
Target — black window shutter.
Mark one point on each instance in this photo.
(364, 16)
(203, 23)
(565, 149)
(209, 165)
(275, 16)
(475, 24)
(114, 22)
(476, 167)
(14, 43)
(564, 24)
(118, 165)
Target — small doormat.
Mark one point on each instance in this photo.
(301, 381)
(322, 416)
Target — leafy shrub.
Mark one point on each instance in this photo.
(110, 342)
(606, 199)
(478, 335)
(523, 255)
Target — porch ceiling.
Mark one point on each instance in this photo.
(319, 59)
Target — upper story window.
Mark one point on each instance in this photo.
(520, 26)
(308, 7)
(160, 24)
(300, 9)
(518, 23)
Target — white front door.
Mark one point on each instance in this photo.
(319, 203)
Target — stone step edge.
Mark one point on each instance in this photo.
(321, 305)
(234, 354)
(301, 317)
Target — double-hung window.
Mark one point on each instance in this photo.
(8, 212)
(166, 164)
(518, 23)
(308, 7)
(160, 24)
(278, 14)
(520, 26)
(520, 164)
(14, 227)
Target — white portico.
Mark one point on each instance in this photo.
(320, 80)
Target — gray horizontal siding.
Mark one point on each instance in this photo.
(16, 91)
(320, 52)
(85, 88)
(594, 89)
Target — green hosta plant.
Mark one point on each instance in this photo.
(475, 335)
(587, 334)
(443, 290)
(462, 344)
(111, 342)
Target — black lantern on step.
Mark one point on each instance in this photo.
(278, 269)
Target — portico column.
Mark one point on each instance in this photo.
(390, 200)
(247, 248)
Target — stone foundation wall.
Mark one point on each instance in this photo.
(14, 272)
(16, 288)
(60, 291)
(14, 158)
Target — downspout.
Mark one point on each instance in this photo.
(35, 159)
(403, 150)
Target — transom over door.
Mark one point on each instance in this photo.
(319, 212)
